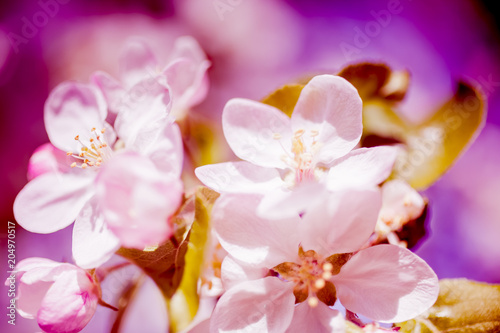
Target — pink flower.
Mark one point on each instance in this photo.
(61, 296)
(289, 160)
(81, 188)
(185, 75)
(313, 261)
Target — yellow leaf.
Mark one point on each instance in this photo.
(183, 305)
(434, 145)
(462, 306)
(284, 98)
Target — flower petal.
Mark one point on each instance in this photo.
(239, 177)
(362, 168)
(342, 223)
(264, 305)
(73, 109)
(137, 63)
(143, 112)
(137, 200)
(29, 298)
(319, 319)
(164, 148)
(251, 239)
(234, 272)
(195, 75)
(249, 128)
(69, 303)
(386, 283)
(112, 90)
(286, 203)
(48, 158)
(147, 306)
(332, 106)
(35, 262)
(93, 242)
(188, 84)
(35, 278)
(400, 202)
(188, 47)
(52, 201)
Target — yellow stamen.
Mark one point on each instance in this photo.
(319, 284)
(327, 266)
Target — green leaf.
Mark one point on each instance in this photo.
(434, 145)
(183, 304)
(462, 306)
(285, 98)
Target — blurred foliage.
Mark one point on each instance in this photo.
(462, 306)
(176, 265)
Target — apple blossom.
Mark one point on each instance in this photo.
(82, 190)
(184, 76)
(60, 296)
(275, 269)
(289, 160)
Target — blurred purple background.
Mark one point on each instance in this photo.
(255, 46)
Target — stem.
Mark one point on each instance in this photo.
(106, 305)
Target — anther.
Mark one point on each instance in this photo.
(326, 275)
(314, 133)
(73, 164)
(93, 129)
(319, 284)
(77, 137)
(328, 267)
(298, 133)
(313, 302)
(103, 130)
(276, 136)
(84, 165)
(69, 153)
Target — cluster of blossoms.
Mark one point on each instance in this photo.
(297, 228)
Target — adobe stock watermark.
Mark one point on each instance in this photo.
(31, 25)
(222, 7)
(430, 141)
(371, 30)
(485, 84)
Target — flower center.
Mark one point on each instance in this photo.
(311, 275)
(92, 153)
(301, 159)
